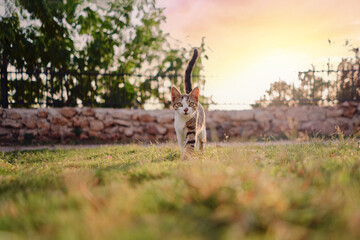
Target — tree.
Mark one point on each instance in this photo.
(314, 90)
(121, 39)
(349, 78)
(279, 94)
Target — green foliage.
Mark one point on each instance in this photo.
(349, 79)
(77, 36)
(294, 191)
(314, 90)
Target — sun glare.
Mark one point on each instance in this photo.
(254, 43)
(246, 84)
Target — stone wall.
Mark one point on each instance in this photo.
(71, 125)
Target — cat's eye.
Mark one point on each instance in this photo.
(179, 104)
(191, 104)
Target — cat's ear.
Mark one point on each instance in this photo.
(195, 93)
(174, 93)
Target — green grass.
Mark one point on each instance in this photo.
(295, 191)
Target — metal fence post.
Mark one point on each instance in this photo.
(111, 88)
(4, 86)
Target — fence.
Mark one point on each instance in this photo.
(315, 87)
(331, 86)
(63, 88)
(51, 88)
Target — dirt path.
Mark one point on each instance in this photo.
(60, 146)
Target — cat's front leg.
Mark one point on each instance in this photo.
(190, 141)
(181, 140)
(201, 139)
(190, 137)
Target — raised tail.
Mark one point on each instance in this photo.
(188, 71)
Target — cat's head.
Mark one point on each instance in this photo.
(185, 104)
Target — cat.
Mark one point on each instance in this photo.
(189, 114)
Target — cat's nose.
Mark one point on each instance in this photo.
(186, 109)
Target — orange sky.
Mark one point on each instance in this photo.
(256, 42)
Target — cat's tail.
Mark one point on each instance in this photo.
(188, 71)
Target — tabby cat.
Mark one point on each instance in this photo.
(189, 114)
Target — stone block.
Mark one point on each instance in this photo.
(12, 114)
(42, 114)
(59, 120)
(30, 121)
(165, 118)
(263, 116)
(161, 130)
(334, 112)
(43, 124)
(129, 132)
(96, 125)
(11, 123)
(244, 115)
(317, 114)
(68, 112)
(146, 117)
(4, 131)
(349, 112)
(124, 114)
(86, 111)
(298, 114)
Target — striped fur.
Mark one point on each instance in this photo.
(189, 70)
(189, 114)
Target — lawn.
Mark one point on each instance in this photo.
(296, 191)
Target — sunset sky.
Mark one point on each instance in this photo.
(255, 42)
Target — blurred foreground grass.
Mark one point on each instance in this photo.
(294, 191)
